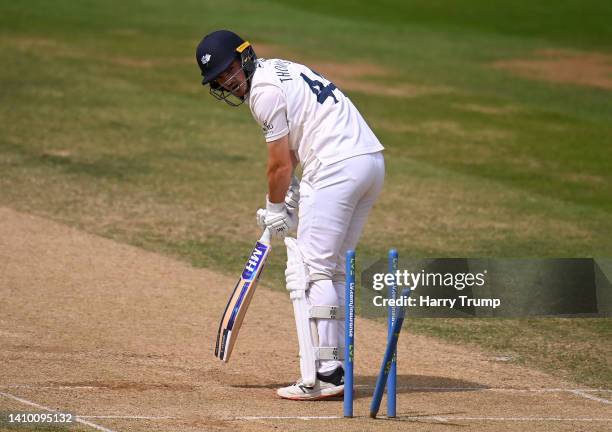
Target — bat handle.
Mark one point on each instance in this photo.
(266, 237)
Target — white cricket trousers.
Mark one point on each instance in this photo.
(335, 201)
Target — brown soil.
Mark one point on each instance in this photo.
(568, 67)
(100, 328)
(360, 77)
(52, 48)
(489, 110)
(444, 128)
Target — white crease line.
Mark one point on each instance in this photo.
(285, 418)
(36, 387)
(441, 389)
(34, 404)
(493, 389)
(126, 417)
(518, 419)
(506, 419)
(589, 396)
(435, 418)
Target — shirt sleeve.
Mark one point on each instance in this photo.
(269, 109)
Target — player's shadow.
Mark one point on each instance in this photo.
(406, 383)
(364, 385)
(274, 385)
(427, 418)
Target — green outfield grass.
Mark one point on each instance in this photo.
(104, 126)
(573, 23)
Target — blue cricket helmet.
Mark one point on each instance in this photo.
(218, 49)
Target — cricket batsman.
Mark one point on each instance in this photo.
(305, 119)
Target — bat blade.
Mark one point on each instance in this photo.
(239, 301)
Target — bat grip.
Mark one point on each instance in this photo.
(266, 237)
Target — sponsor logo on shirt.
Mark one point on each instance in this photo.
(267, 127)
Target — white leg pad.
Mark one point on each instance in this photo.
(305, 314)
(297, 284)
(327, 312)
(328, 353)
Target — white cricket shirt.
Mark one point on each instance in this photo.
(288, 98)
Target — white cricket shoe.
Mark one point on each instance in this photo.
(325, 387)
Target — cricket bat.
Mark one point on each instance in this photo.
(239, 301)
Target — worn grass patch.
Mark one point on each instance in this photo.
(576, 350)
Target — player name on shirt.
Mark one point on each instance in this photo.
(282, 71)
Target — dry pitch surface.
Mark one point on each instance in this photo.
(125, 338)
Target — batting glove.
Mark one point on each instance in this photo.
(279, 221)
(292, 198)
(261, 218)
